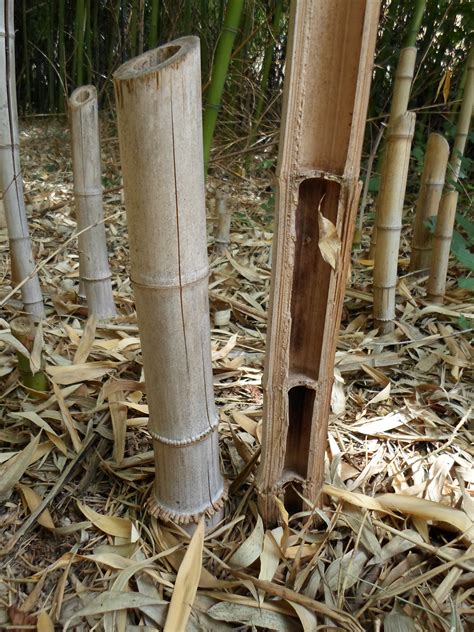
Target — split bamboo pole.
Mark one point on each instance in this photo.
(93, 261)
(447, 209)
(389, 219)
(11, 183)
(327, 83)
(158, 98)
(432, 183)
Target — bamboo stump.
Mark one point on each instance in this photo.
(95, 277)
(327, 82)
(158, 97)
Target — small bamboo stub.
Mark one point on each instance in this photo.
(95, 277)
(432, 183)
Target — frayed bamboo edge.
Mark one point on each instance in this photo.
(160, 512)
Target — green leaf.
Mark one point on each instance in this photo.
(466, 283)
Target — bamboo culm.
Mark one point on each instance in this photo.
(447, 208)
(158, 98)
(389, 219)
(93, 261)
(11, 183)
(432, 183)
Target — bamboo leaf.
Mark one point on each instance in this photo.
(329, 242)
(12, 471)
(187, 581)
(120, 527)
(251, 549)
(44, 623)
(33, 499)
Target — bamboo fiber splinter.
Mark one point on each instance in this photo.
(94, 266)
(327, 82)
(158, 96)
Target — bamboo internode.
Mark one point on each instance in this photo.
(93, 261)
(158, 99)
(11, 183)
(329, 62)
(432, 183)
(389, 219)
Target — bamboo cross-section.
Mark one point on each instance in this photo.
(327, 82)
(158, 96)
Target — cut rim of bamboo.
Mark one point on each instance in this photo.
(11, 181)
(318, 169)
(447, 209)
(95, 276)
(158, 96)
(429, 196)
(389, 219)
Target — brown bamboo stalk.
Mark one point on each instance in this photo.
(327, 82)
(432, 183)
(389, 219)
(11, 182)
(224, 215)
(93, 261)
(447, 209)
(158, 96)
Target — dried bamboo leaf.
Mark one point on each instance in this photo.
(307, 618)
(80, 372)
(251, 549)
(33, 499)
(86, 342)
(398, 621)
(44, 623)
(329, 242)
(12, 471)
(186, 585)
(237, 613)
(119, 527)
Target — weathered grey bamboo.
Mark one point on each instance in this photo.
(327, 82)
(11, 183)
(158, 96)
(447, 208)
(224, 215)
(432, 183)
(389, 219)
(93, 261)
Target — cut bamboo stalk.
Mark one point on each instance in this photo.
(389, 219)
(224, 218)
(95, 274)
(327, 83)
(447, 209)
(11, 183)
(432, 183)
(158, 98)
(24, 330)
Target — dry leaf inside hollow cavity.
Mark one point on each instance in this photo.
(329, 242)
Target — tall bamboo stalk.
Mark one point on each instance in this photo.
(94, 266)
(11, 183)
(447, 210)
(158, 98)
(62, 85)
(389, 219)
(327, 83)
(153, 24)
(79, 32)
(219, 73)
(432, 183)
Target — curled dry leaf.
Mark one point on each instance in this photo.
(12, 471)
(119, 527)
(329, 242)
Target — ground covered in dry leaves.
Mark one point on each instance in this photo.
(392, 545)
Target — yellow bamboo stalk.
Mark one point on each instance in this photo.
(389, 219)
(447, 209)
(432, 183)
(158, 96)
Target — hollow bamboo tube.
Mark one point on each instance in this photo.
(447, 208)
(158, 96)
(389, 219)
(224, 214)
(329, 66)
(11, 183)
(432, 183)
(93, 262)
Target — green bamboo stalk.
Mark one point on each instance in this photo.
(78, 62)
(219, 73)
(26, 58)
(415, 23)
(133, 28)
(88, 44)
(24, 330)
(153, 32)
(51, 70)
(62, 57)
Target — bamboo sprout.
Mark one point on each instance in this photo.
(432, 183)
(219, 73)
(24, 330)
(94, 267)
(224, 220)
(389, 219)
(158, 98)
(318, 169)
(11, 183)
(447, 209)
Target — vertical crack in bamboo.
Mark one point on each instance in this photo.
(158, 96)
(11, 183)
(432, 183)
(95, 276)
(323, 123)
(389, 219)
